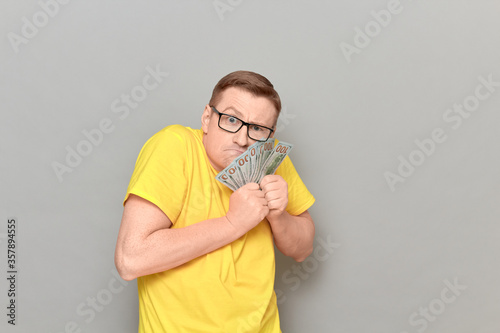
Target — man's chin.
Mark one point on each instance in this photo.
(229, 160)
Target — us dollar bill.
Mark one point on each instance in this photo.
(254, 153)
(223, 177)
(264, 151)
(235, 175)
(277, 156)
(259, 160)
(244, 166)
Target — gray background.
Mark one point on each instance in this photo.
(350, 118)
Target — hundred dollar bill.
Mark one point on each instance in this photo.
(259, 160)
(265, 149)
(251, 165)
(235, 175)
(231, 175)
(255, 158)
(223, 177)
(253, 155)
(277, 156)
(244, 166)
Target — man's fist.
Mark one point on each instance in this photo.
(247, 207)
(275, 190)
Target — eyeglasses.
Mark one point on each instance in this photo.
(233, 124)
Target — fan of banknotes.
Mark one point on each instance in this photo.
(259, 160)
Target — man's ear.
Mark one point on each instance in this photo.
(275, 125)
(205, 118)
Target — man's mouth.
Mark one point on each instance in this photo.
(236, 151)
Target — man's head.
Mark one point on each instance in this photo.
(252, 82)
(247, 96)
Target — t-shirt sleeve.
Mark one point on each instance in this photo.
(159, 173)
(299, 197)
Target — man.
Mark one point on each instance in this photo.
(202, 254)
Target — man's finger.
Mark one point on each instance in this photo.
(252, 186)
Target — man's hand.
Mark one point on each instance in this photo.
(247, 207)
(293, 235)
(275, 190)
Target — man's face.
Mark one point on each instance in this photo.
(223, 147)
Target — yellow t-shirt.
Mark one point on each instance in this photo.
(230, 289)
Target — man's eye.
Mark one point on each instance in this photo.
(232, 120)
(256, 128)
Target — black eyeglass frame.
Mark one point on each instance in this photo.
(243, 123)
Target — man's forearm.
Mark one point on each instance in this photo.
(148, 244)
(168, 248)
(293, 235)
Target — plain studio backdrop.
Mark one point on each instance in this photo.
(392, 107)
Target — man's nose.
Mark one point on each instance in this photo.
(241, 137)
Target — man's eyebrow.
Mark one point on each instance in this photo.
(240, 115)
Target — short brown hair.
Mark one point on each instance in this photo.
(252, 82)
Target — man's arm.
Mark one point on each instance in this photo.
(146, 244)
(293, 235)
